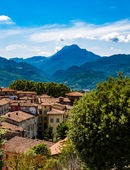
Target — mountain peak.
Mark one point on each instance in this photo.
(73, 46)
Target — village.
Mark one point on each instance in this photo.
(26, 116)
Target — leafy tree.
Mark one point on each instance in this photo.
(48, 134)
(2, 135)
(52, 89)
(69, 158)
(53, 164)
(40, 149)
(62, 130)
(100, 125)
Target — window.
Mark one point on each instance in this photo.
(57, 120)
(40, 111)
(51, 120)
(45, 112)
(45, 118)
(45, 107)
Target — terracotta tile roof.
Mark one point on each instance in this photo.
(77, 94)
(26, 98)
(7, 89)
(55, 112)
(44, 96)
(18, 116)
(50, 100)
(46, 104)
(28, 104)
(58, 106)
(56, 148)
(26, 92)
(10, 126)
(66, 99)
(20, 145)
(3, 102)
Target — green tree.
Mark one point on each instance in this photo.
(100, 125)
(40, 149)
(48, 134)
(2, 136)
(62, 130)
(52, 89)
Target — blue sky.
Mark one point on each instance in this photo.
(42, 27)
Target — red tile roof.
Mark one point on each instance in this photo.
(56, 148)
(3, 102)
(26, 92)
(20, 145)
(18, 116)
(10, 126)
(76, 94)
(56, 112)
(7, 89)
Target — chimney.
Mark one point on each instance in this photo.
(61, 99)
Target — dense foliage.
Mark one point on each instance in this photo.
(51, 89)
(2, 135)
(25, 161)
(40, 149)
(62, 130)
(48, 133)
(100, 125)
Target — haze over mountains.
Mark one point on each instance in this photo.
(76, 67)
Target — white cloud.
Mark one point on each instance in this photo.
(13, 47)
(117, 32)
(58, 48)
(48, 39)
(5, 20)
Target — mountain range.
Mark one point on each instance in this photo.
(11, 70)
(63, 59)
(76, 67)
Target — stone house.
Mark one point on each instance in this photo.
(29, 107)
(12, 130)
(7, 92)
(27, 121)
(4, 106)
(55, 117)
(43, 117)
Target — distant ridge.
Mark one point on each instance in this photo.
(76, 67)
(10, 71)
(63, 59)
(91, 73)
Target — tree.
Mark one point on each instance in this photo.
(100, 125)
(48, 134)
(52, 89)
(62, 130)
(2, 135)
(40, 149)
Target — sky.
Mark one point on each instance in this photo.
(42, 27)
